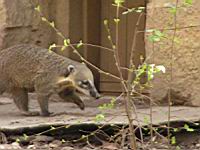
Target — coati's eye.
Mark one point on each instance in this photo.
(84, 84)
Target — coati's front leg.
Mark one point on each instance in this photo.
(20, 97)
(43, 102)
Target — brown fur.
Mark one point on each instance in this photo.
(26, 68)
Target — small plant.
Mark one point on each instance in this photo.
(128, 86)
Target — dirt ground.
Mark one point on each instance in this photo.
(69, 114)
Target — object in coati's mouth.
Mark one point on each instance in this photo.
(25, 68)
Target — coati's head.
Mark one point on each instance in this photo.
(79, 79)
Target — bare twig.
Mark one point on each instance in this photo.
(171, 72)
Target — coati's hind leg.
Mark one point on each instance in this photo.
(20, 97)
(2, 88)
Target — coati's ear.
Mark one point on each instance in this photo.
(71, 68)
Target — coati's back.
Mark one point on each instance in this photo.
(20, 64)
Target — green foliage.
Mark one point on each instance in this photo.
(37, 8)
(52, 128)
(175, 129)
(80, 44)
(173, 10)
(146, 120)
(51, 47)
(63, 141)
(130, 10)
(99, 118)
(108, 105)
(25, 137)
(52, 24)
(17, 140)
(156, 35)
(44, 19)
(173, 140)
(178, 148)
(149, 69)
(66, 42)
(188, 2)
(105, 22)
(116, 20)
(187, 128)
(119, 2)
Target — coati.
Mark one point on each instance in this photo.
(26, 68)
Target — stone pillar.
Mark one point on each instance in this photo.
(22, 24)
(2, 22)
(186, 54)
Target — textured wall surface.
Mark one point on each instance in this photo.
(2, 21)
(21, 23)
(186, 55)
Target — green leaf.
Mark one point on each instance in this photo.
(128, 11)
(63, 48)
(175, 129)
(188, 128)
(158, 33)
(153, 38)
(44, 19)
(66, 42)
(17, 140)
(80, 44)
(25, 137)
(119, 2)
(52, 24)
(156, 36)
(117, 20)
(146, 120)
(83, 136)
(52, 46)
(188, 2)
(138, 11)
(99, 117)
(178, 148)
(173, 10)
(37, 8)
(141, 8)
(109, 37)
(105, 22)
(125, 12)
(63, 141)
(149, 30)
(173, 140)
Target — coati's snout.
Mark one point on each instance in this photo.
(87, 87)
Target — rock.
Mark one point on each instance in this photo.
(42, 138)
(67, 148)
(110, 146)
(185, 62)
(14, 145)
(31, 147)
(55, 143)
(3, 138)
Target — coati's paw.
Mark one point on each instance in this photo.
(30, 113)
(46, 114)
(81, 106)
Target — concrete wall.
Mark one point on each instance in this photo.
(186, 55)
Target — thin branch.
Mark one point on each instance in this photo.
(171, 72)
